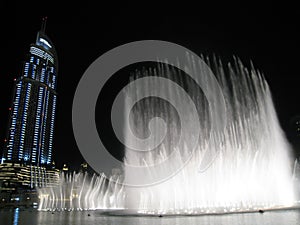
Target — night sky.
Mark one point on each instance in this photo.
(267, 36)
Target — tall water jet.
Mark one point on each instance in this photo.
(251, 166)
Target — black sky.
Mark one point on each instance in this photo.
(267, 36)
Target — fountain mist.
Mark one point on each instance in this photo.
(251, 168)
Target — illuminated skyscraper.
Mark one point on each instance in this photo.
(32, 114)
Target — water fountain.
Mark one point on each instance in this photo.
(80, 191)
(252, 167)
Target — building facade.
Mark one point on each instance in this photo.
(27, 157)
(32, 114)
(16, 176)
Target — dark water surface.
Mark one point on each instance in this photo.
(32, 217)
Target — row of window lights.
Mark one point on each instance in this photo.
(24, 119)
(41, 54)
(52, 118)
(37, 125)
(45, 119)
(13, 125)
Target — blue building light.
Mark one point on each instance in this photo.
(32, 114)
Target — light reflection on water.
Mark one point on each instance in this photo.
(31, 217)
(16, 216)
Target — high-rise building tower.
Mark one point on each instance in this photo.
(32, 114)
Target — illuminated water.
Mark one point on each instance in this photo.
(252, 167)
(80, 191)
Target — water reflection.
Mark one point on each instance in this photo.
(21, 216)
(16, 216)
